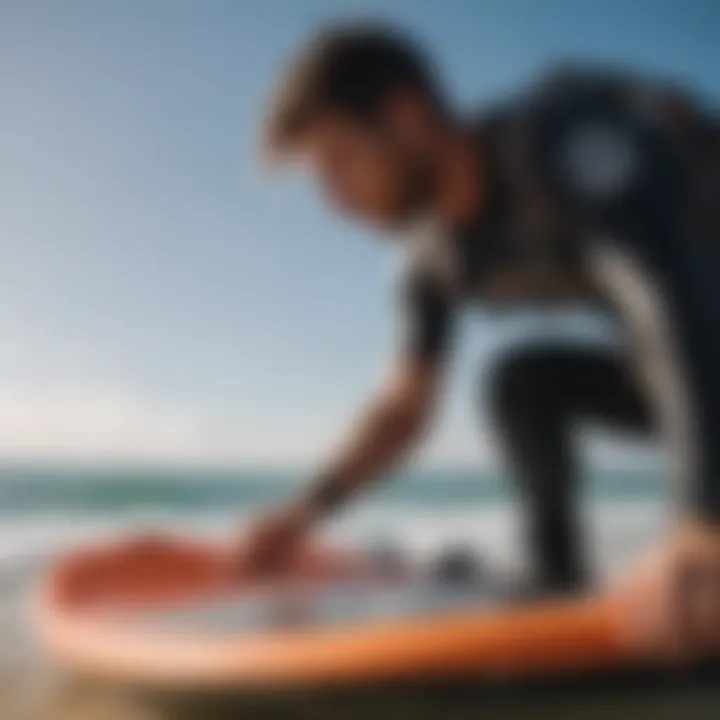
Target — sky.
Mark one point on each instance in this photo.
(163, 297)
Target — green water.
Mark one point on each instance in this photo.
(26, 489)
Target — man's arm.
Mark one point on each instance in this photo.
(397, 418)
(384, 432)
(388, 428)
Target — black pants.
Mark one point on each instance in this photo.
(539, 396)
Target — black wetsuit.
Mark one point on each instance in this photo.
(600, 188)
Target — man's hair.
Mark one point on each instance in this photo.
(348, 69)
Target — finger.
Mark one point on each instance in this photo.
(715, 612)
(676, 634)
(664, 611)
(648, 608)
(704, 596)
(689, 605)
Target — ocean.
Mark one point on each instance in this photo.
(44, 510)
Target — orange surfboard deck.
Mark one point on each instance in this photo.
(87, 611)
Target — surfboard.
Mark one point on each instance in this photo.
(173, 613)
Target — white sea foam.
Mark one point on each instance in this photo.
(616, 530)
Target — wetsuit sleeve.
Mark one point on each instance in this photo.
(426, 318)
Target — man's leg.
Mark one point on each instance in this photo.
(538, 395)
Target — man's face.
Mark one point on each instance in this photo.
(371, 172)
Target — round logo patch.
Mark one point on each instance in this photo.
(600, 160)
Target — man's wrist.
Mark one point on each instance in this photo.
(326, 494)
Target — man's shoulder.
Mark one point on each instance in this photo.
(568, 113)
(564, 88)
(547, 86)
(562, 85)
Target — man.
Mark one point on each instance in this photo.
(589, 186)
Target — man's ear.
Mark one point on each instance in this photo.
(411, 116)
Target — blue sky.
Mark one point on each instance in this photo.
(162, 297)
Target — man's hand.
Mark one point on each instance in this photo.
(671, 601)
(274, 542)
(383, 433)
